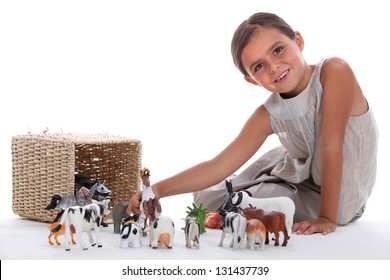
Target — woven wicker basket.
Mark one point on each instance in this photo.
(45, 164)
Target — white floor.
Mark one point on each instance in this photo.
(365, 239)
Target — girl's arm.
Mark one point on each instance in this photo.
(213, 171)
(341, 97)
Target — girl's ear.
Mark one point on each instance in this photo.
(299, 40)
(250, 80)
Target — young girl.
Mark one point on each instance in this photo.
(327, 161)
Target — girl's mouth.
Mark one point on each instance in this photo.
(282, 76)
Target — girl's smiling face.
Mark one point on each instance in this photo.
(274, 61)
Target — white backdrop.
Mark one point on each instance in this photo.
(161, 71)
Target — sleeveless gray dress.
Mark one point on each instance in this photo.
(293, 169)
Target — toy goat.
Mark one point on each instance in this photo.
(58, 233)
(234, 224)
(255, 233)
(273, 221)
(77, 219)
(162, 231)
(192, 233)
(131, 232)
(244, 199)
(199, 214)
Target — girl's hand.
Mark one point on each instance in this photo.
(134, 204)
(320, 225)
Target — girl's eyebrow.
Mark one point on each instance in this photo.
(270, 50)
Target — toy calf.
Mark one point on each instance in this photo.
(255, 233)
(192, 232)
(162, 232)
(234, 224)
(244, 199)
(131, 233)
(273, 221)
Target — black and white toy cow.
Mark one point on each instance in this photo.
(234, 224)
(78, 219)
(131, 232)
(161, 232)
(192, 233)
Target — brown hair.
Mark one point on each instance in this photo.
(245, 30)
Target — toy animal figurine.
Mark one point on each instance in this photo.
(162, 232)
(81, 198)
(147, 195)
(213, 220)
(234, 224)
(199, 213)
(118, 213)
(86, 218)
(255, 233)
(58, 233)
(227, 205)
(131, 232)
(273, 221)
(192, 233)
(244, 199)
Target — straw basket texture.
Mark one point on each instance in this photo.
(45, 164)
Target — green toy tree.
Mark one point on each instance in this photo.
(199, 214)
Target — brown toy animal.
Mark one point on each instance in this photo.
(273, 222)
(58, 233)
(255, 233)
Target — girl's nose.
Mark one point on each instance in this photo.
(275, 68)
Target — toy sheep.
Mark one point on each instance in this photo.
(162, 231)
(234, 224)
(255, 233)
(244, 199)
(273, 221)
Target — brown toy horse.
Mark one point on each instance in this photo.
(273, 222)
(58, 233)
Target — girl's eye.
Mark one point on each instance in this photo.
(278, 50)
(258, 67)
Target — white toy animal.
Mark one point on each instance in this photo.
(83, 218)
(130, 235)
(192, 232)
(244, 199)
(162, 232)
(234, 224)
